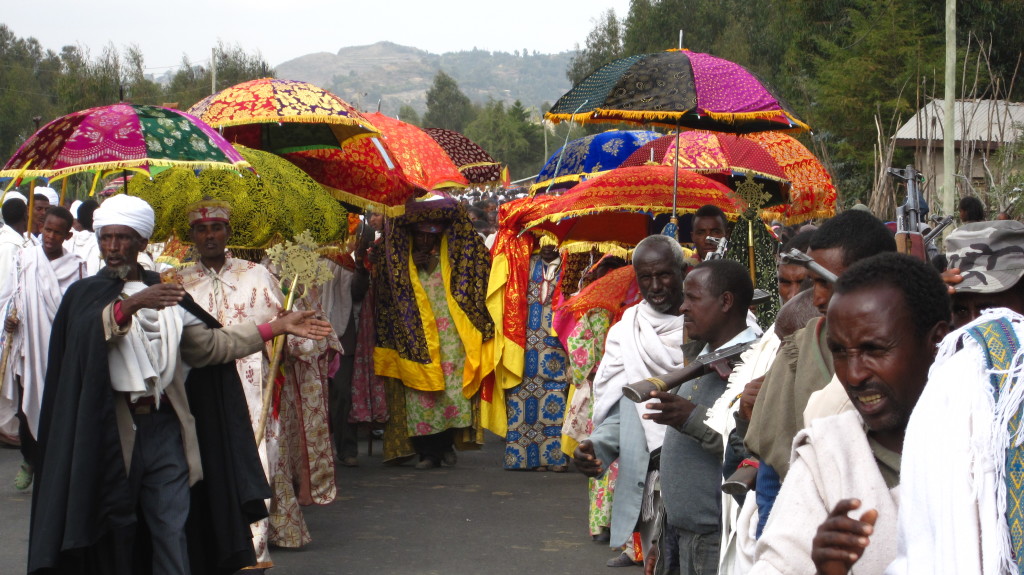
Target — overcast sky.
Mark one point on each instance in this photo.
(282, 30)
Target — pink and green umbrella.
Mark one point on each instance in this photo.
(121, 137)
(677, 89)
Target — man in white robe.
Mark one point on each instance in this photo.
(46, 272)
(236, 291)
(12, 240)
(83, 243)
(837, 509)
(646, 342)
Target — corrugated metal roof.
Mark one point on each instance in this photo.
(989, 123)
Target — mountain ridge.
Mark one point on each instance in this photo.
(396, 75)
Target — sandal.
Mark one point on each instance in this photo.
(623, 560)
(559, 468)
(23, 480)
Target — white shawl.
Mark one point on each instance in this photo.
(954, 455)
(642, 344)
(143, 361)
(832, 460)
(42, 286)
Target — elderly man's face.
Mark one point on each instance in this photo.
(879, 358)
(120, 247)
(659, 279)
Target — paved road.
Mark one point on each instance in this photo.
(474, 519)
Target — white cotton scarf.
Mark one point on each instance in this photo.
(143, 361)
(953, 469)
(650, 344)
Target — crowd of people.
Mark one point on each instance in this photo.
(158, 433)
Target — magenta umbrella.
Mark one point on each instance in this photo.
(121, 137)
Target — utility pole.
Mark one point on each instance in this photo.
(213, 70)
(948, 125)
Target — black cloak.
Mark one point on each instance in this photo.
(83, 517)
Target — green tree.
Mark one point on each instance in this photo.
(511, 135)
(604, 44)
(409, 115)
(192, 82)
(447, 106)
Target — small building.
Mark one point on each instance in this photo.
(981, 127)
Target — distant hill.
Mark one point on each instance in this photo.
(399, 75)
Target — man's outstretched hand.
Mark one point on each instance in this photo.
(302, 324)
(840, 541)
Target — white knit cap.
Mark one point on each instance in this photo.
(122, 210)
(15, 196)
(74, 208)
(50, 193)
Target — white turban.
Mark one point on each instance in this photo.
(122, 210)
(50, 193)
(74, 208)
(15, 196)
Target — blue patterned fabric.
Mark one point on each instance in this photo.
(536, 407)
(998, 339)
(589, 155)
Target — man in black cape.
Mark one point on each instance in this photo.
(160, 475)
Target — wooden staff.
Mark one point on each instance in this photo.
(277, 350)
(8, 343)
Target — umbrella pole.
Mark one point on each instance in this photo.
(558, 164)
(675, 186)
(750, 250)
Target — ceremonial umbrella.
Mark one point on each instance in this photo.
(121, 137)
(473, 161)
(278, 203)
(726, 157)
(589, 156)
(275, 115)
(423, 161)
(677, 88)
(618, 206)
(363, 173)
(812, 194)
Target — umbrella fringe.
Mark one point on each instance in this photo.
(622, 250)
(303, 119)
(559, 180)
(658, 119)
(126, 165)
(361, 202)
(479, 165)
(648, 209)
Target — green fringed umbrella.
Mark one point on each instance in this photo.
(278, 202)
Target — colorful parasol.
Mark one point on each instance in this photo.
(677, 88)
(121, 137)
(279, 203)
(280, 115)
(812, 194)
(618, 206)
(362, 173)
(423, 161)
(474, 162)
(728, 155)
(589, 156)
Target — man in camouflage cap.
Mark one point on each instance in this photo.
(990, 257)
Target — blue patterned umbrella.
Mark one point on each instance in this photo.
(589, 156)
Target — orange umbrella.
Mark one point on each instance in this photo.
(812, 194)
(422, 159)
(618, 206)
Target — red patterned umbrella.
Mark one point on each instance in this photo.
(618, 206)
(363, 173)
(423, 161)
(474, 162)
